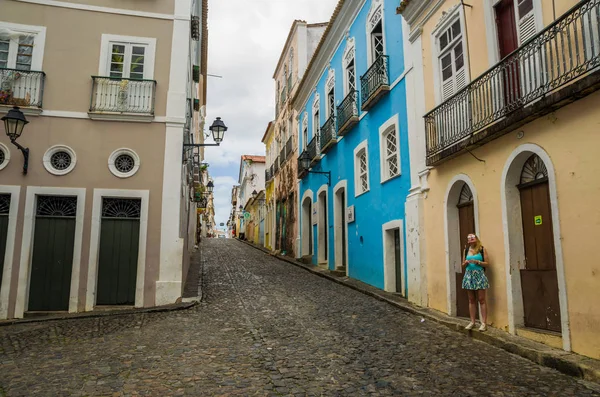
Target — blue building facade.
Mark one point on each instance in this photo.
(353, 130)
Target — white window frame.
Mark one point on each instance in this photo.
(316, 109)
(447, 20)
(349, 55)
(329, 87)
(376, 7)
(357, 152)
(113, 156)
(39, 42)
(59, 148)
(105, 52)
(392, 125)
(4, 149)
(304, 131)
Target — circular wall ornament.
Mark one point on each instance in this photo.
(4, 156)
(60, 160)
(123, 163)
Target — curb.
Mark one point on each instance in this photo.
(567, 363)
(107, 313)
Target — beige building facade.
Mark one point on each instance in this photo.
(282, 151)
(111, 91)
(503, 144)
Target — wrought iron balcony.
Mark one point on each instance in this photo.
(374, 83)
(122, 96)
(313, 149)
(276, 166)
(347, 113)
(21, 88)
(328, 135)
(272, 168)
(289, 147)
(268, 174)
(301, 170)
(524, 85)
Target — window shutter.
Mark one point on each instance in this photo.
(527, 25)
(447, 88)
(461, 79)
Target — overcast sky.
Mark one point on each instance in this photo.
(245, 39)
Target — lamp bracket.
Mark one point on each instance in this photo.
(326, 173)
(25, 152)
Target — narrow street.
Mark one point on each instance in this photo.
(265, 328)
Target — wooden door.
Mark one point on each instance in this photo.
(398, 260)
(52, 258)
(342, 194)
(508, 41)
(119, 248)
(539, 282)
(4, 211)
(466, 221)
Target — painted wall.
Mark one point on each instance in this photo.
(385, 201)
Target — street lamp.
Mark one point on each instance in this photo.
(305, 163)
(218, 129)
(14, 122)
(210, 186)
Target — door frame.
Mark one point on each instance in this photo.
(92, 281)
(323, 218)
(11, 233)
(389, 265)
(337, 226)
(514, 248)
(27, 244)
(306, 224)
(452, 233)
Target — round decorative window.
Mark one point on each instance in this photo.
(123, 163)
(4, 156)
(60, 160)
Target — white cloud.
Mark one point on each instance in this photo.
(245, 42)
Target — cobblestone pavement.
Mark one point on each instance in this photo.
(266, 328)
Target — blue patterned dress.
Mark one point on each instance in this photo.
(474, 277)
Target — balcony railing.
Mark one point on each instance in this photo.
(313, 149)
(283, 96)
(374, 83)
(301, 170)
(289, 147)
(347, 113)
(22, 88)
(328, 135)
(267, 175)
(117, 95)
(565, 50)
(276, 166)
(272, 168)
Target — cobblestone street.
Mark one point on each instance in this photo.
(265, 328)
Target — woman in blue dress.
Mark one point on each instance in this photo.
(474, 280)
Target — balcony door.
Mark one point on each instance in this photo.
(508, 41)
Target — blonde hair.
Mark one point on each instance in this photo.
(478, 244)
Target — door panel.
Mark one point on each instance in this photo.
(51, 263)
(344, 242)
(466, 220)
(539, 281)
(508, 41)
(4, 211)
(398, 260)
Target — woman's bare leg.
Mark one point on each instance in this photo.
(482, 304)
(472, 305)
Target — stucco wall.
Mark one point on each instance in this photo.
(569, 137)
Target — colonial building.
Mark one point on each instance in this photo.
(504, 116)
(354, 165)
(281, 152)
(251, 178)
(270, 227)
(103, 214)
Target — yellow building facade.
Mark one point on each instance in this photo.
(503, 143)
(268, 139)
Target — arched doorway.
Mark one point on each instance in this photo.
(461, 219)
(306, 227)
(539, 282)
(466, 225)
(340, 227)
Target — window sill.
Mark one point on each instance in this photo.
(383, 181)
(361, 193)
(140, 118)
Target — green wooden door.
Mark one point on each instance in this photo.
(119, 246)
(4, 209)
(52, 259)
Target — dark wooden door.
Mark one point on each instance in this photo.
(4, 211)
(466, 219)
(342, 194)
(539, 281)
(398, 260)
(52, 258)
(325, 226)
(119, 247)
(508, 41)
